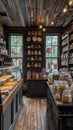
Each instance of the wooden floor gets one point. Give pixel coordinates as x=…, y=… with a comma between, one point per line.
x=32, y=115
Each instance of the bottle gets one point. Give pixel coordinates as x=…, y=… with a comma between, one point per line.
x=44, y=73
x=29, y=75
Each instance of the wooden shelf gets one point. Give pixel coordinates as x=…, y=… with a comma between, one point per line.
x=64, y=37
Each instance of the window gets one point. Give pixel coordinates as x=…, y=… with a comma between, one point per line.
x=16, y=52
x=51, y=52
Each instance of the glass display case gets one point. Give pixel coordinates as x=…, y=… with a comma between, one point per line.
x=10, y=96
x=9, y=78
x=14, y=69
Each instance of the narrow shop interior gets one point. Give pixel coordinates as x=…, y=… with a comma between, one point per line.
x=36, y=64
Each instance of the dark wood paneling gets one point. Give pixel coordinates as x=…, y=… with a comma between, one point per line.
x=22, y=13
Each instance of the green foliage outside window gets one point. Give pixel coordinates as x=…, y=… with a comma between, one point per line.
x=51, y=50
x=16, y=42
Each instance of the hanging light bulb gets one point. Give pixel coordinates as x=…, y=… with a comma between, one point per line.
x=65, y=10
x=44, y=29
x=40, y=26
x=70, y=3
x=52, y=23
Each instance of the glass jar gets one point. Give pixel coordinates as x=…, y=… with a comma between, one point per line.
x=50, y=78
x=37, y=75
x=65, y=76
x=33, y=75
x=55, y=85
x=28, y=74
x=66, y=96
x=55, y=75
x=62, y=85
x=57, y=96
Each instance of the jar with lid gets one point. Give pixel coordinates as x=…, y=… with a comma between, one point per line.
x=50, y=78
x=28, y=74
x=57, y=96
x=55, y=75
x=33, y=75
x=65, y=76
x=62, y=85
x=55, y=85
x=66, y=96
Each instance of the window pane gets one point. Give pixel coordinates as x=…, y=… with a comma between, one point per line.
x=18, y=62
x=16, y=41
x=13, y=41
x=17, y=71
x=48, y=40
x=16, y=46
x=13, y=51
x=54, y=51
x=51, y=51
x=48, y=51
x=16, y=51
x=54, y=62
x=54, y=40
x=19, y=52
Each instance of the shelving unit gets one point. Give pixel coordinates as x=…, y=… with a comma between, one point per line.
x=3, y=50
x=34, y=51
x=67, y=50
x=71, y=51
x=64, y=51
x=34, y=63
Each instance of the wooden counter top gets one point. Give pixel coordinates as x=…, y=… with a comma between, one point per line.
x=58, y=103
x=36, y=80
x=9, y=98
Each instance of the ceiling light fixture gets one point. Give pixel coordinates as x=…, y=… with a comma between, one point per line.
x=65, y=10
x=44, y=29
x=52, y=23
x=40, y=26
x=70, y=3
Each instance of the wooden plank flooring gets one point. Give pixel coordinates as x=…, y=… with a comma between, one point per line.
x=32, y=115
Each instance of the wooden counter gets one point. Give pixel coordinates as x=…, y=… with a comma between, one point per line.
x=10, y=107
x=37, y=87
x=9, y=98
x=59, y=114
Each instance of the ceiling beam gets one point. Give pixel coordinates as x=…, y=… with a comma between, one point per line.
x=20, y=12
x=39, y=11
x=27, y=7
x=68, y=19
x=5, y=10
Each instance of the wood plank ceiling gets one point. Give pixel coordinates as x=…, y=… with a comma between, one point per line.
x=26, y=13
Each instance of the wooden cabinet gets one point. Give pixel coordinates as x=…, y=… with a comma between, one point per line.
x=10, y=99
x=10, y=107
x=37, y=88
